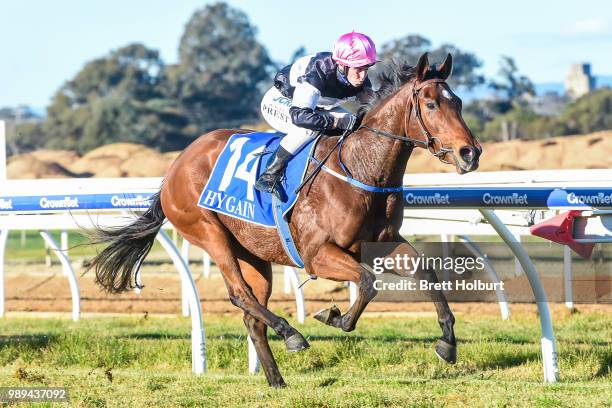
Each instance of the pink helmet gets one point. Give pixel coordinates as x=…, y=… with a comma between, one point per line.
x=354, y=50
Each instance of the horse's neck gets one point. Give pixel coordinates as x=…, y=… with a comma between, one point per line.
x=375, y=159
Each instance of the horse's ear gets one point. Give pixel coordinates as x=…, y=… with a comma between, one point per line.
x=422, y=67
x=447, y=67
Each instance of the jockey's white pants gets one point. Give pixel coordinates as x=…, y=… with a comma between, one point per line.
x=275, y=110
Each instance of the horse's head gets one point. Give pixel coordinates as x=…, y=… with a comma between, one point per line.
x=435, y=117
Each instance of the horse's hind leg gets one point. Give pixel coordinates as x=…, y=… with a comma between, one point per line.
x=224, y=250
x=258, y=275
x=332, y=262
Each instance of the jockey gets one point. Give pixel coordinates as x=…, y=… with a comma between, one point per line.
x=305, y=99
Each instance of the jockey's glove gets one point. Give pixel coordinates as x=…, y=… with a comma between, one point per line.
x=345, y=122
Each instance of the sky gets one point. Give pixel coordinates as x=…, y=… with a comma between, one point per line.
x=45, y=43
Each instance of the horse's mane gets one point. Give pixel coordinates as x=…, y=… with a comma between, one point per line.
x=387, y=77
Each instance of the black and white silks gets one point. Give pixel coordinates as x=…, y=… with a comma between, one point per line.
x=306, y=99
x=309, y=81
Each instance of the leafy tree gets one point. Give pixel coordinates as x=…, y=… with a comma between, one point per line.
x=26, y=137
x=509, y=112
x=130, y=95
x=110, y=100
x=65, y=122
x=465, y=66
x=480, y=113
x=117, y=118
x=222, y=68
x=133, y=70
x=590, y=113
x=23, y=129
x=512, y=125
x=410, y=48
x=512, y=85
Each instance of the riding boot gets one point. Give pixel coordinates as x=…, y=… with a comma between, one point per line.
x=270, y=179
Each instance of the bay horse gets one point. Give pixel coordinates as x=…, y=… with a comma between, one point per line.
x=330, y=219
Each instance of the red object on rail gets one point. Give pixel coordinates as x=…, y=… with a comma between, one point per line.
x=560, y=229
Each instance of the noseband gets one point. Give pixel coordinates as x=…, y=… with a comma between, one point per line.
x=430, y=143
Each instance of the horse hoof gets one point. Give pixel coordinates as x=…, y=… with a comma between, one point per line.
x=446, y=352
x=296, y=342
x=329, y=316
x=278, y=384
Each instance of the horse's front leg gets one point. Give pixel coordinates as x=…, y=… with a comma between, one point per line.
x=333, y=262
x=446, y=348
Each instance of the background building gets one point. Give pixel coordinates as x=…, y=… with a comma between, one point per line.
x=579, y=80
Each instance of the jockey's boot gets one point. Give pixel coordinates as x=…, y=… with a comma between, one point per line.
x=270, y=179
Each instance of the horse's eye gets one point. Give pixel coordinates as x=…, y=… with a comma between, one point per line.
x=430, y=105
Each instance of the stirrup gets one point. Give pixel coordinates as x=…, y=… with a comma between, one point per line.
x=278, y=190
x=272, y=185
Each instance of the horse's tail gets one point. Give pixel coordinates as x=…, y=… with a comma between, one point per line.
x=117, y=265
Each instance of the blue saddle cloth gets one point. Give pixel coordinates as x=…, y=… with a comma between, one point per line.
x=230, y=189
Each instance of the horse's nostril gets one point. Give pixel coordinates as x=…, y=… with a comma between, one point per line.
x=467, y=153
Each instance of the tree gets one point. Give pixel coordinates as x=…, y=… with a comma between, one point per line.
x=465, y=66
x=65, y=122
x=155, y=123
x=590, y=113
x=26, y=137
x=222, y=68
x=514, y=124
x=113, y=99
x=512, y=85
x=130, y=95
x=509, y=110
x=133, y=70
x=410, y=48
x=23, y=129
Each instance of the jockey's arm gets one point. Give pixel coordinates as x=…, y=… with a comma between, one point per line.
x=303, y=109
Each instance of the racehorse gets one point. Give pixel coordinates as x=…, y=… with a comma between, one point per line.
x=330, y=219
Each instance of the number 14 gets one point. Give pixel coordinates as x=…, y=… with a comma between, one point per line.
x=242, y=171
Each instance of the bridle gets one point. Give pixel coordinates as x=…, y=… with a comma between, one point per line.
x=430, y=143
